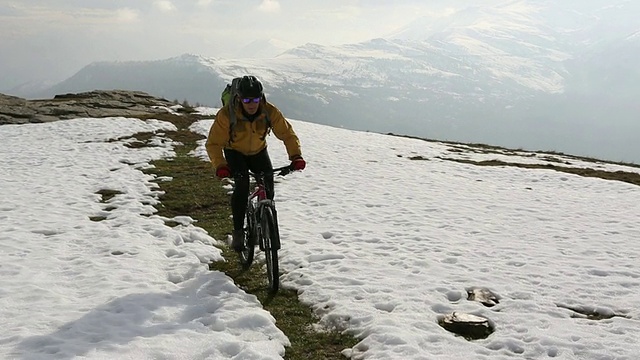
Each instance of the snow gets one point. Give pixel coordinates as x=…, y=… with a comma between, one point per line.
x=533, y=158
x=374, y=242
x=128, y=287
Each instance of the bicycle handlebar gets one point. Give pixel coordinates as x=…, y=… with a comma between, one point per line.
x=283, y=170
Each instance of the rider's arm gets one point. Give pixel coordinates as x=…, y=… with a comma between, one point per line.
x=283, y=130
x=218, y=138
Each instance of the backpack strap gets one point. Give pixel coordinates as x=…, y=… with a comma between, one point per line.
x=232, y=106
x=266, y=119
x=232, y=118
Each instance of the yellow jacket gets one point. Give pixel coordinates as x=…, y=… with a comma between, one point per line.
x=249, y=136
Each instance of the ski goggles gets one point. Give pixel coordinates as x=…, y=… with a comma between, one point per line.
x=251, y=100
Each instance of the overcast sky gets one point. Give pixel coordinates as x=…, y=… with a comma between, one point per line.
x=53, y=39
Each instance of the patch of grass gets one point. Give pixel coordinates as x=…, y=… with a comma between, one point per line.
x=628, y=177
x=171, y=223
x=196, y=192
x=460, y=147
x=108, y=194
x=456, y=147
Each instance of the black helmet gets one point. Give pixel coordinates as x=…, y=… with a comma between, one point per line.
x=250, y=87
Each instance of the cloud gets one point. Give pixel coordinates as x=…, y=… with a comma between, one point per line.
x=9, y=10
x=28, y=22
x=164, y=5
x=270, y=6
x=204, y=3
x=127, y=15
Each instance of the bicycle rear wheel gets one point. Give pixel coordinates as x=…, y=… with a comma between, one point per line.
x=251, y=236
x=271, y=243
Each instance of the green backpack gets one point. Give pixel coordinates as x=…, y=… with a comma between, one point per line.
x=230, y=91
x=229, y=98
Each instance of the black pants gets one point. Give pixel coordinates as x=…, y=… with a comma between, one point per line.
x=240, y=165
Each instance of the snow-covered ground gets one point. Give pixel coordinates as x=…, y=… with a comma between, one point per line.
x=375, y=242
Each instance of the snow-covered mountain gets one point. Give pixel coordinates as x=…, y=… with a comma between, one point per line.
x=528, y=73
x=178, y=78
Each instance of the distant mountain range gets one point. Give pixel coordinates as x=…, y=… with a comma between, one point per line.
x=529, y=74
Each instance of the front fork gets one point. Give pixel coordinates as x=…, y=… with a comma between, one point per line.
x=275, y=240
x=253, y=225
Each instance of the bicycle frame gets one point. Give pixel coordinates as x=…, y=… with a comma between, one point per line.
x=260, y=192
x=262, y=227
x=262, y=201
x=259, y=197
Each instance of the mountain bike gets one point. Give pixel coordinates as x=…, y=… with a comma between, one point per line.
x=261, y=228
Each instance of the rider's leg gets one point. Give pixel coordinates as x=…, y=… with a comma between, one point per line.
x=261, y=162
x=238, y=164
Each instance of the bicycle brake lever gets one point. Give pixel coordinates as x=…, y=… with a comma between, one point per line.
x=285, y=171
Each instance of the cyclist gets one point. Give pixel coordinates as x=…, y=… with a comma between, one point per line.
x=234, y=149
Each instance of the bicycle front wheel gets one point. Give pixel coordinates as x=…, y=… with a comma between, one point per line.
x=271, y=242
x=251, y=236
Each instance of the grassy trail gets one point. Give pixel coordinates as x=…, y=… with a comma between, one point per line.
x=195, y=191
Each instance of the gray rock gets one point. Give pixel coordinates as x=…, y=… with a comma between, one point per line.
x=95, y=104
x=471, y=327
x=483, y=295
